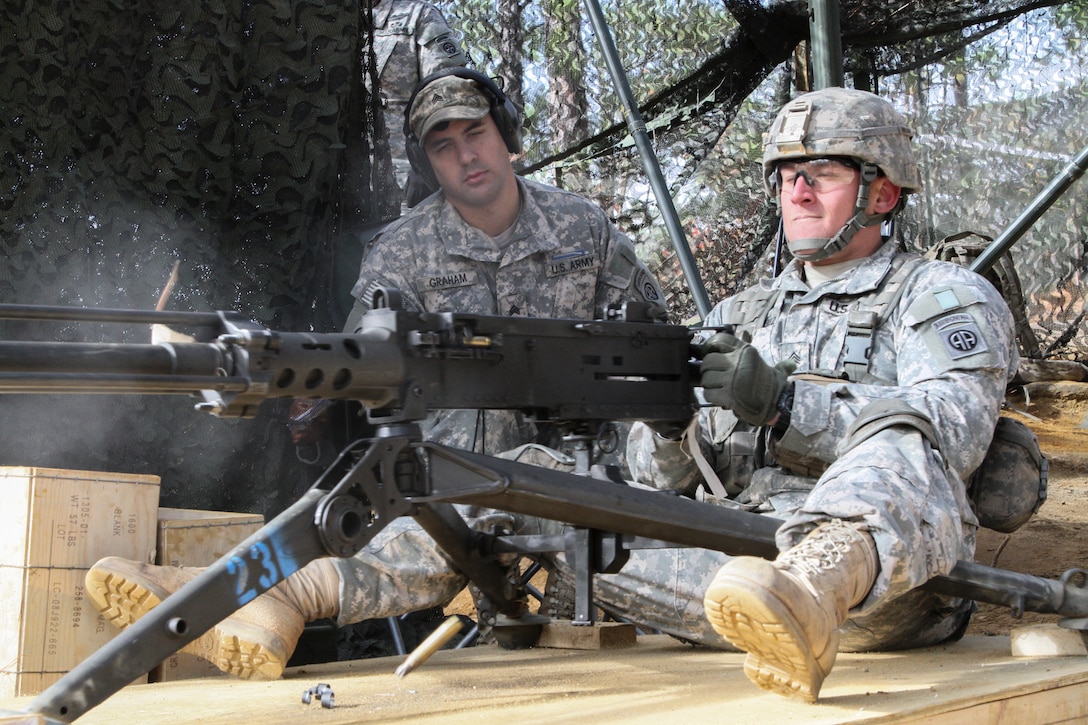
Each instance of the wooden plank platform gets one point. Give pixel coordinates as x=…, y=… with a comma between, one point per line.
x=658, y=680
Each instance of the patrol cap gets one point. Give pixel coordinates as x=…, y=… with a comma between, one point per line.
x=449, y=98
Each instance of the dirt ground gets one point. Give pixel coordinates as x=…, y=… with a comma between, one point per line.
x=1056, y=539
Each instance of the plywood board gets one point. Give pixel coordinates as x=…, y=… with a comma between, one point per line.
x=658, y=680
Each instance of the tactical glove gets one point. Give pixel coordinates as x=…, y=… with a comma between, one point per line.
x=736, y=377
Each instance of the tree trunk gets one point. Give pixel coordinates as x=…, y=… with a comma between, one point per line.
x=511, y=48
x=566, y=60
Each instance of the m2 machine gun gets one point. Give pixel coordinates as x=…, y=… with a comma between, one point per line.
x=401, y=365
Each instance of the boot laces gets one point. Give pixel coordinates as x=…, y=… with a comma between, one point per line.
x=822, y=551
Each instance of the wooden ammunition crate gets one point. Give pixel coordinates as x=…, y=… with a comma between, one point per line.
x=187, y=537
x=53, y=526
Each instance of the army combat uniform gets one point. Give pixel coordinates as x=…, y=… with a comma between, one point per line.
x=562, y=258
x=894, y=329
x=411, y=41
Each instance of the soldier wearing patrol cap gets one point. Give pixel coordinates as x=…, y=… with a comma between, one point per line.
x=491, y=242
x=858, y=390
x=487, y=242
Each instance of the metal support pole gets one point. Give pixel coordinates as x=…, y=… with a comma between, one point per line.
x=1057, y=186
x=649, y=159
x=826, y=40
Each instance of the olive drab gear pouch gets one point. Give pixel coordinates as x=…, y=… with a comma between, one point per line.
x=1009, y=485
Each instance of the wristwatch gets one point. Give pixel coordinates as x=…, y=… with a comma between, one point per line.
x=785, y=409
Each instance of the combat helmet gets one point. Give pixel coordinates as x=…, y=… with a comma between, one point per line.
x=846, y=123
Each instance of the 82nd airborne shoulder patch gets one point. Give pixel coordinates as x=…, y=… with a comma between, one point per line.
x=961, y=335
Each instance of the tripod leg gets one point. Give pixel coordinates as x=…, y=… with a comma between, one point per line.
x=321, y=523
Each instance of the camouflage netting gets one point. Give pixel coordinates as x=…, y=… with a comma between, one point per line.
x=217, y=136
x=994, y=91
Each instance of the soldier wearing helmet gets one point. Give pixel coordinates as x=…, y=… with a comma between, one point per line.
x=853, y=396
x=819, y=138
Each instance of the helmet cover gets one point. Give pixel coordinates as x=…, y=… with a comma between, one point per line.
x=842, y=122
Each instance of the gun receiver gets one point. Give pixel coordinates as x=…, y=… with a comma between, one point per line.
x=401, y=365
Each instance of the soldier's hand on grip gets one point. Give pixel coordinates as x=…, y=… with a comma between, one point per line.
x=734, y=376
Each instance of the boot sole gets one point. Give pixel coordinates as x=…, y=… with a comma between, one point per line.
x=242, y=651
x=762, y=625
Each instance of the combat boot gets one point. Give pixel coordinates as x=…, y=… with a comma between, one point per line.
x=786, y=614
x=255, y=642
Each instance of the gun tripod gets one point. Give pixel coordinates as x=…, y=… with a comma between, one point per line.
x=376, y=480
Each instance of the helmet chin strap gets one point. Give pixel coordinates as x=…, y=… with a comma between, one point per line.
x=815, y=249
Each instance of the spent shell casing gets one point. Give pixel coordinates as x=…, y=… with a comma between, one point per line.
x=429, y=646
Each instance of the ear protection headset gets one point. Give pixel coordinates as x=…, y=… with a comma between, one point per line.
x=503, y=112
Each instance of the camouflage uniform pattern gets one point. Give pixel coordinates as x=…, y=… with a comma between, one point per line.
x=565, y=259
x=947, y=349
x=411, y=41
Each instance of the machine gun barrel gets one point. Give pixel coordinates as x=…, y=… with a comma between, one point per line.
x=74, y=367
x=400, y=364
x=60, y=313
